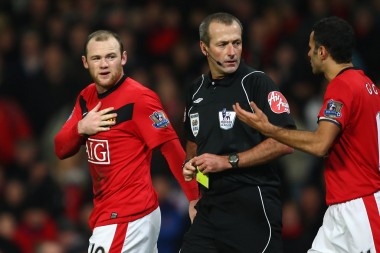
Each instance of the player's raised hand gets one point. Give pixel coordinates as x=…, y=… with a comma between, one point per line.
x=97, y=121
x=257, y=120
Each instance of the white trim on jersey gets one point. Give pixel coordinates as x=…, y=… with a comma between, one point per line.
x=203, y=79
x=242, y=85
x=266, y=217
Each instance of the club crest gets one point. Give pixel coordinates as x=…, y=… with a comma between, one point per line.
x=159, y=119
x=194, y=122
x=226, y=119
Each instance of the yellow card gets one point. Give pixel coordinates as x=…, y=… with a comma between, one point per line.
x=202, y=179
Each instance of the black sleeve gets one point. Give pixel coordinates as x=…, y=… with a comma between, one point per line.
x=271, y=101
x=189, y=92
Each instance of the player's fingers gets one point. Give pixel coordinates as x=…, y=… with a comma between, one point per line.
x=109, y=116
x=106, y=110
x=188, y=170
x=103, y=129
x=106, y=123
x=240, y=113
x=188, y=175
x=254, y=107
x=97, y=107
x=236, y=107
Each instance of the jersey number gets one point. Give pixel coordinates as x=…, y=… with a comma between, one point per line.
x=98, y=249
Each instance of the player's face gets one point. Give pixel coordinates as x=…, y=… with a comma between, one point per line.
x=225, y=47
x=315, y=62
x=104, y=62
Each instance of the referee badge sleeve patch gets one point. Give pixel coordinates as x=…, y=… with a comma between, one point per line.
x=194, y=122
x=278, y=103
x=333, y=109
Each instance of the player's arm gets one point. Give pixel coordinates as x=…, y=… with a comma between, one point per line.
x=74, y=132
x=68, y=141
x=188, y=168
x=316, y=143
x=175, y=155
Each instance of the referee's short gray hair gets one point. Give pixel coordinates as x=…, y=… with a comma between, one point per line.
x=219, y=17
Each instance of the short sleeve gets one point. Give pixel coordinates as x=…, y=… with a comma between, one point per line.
x=336, y=104
x=271, y=101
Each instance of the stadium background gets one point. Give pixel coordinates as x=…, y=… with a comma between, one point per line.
x=45, y=203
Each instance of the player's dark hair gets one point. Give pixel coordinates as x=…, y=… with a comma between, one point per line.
x=337, y=36
x=220, y=17
x=103, y=35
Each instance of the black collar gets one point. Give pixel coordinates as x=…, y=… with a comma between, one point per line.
x=343, y=70
x=226, y=80
x=105, y=94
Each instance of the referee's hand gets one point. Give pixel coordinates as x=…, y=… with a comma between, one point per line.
x=189, y=171
x=210, y=163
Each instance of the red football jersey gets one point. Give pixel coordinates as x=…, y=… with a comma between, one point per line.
x=352, y=101
x=119, y=159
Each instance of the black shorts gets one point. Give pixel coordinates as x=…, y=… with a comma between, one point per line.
x=247, y=220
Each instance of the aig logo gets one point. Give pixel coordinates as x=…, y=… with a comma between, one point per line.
x=98, y=151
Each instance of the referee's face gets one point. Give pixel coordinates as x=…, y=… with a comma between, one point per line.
x=104, y=62
x=224, y=51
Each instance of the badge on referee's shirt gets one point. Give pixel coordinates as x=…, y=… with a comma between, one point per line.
x=194, y=122
x=226, y=119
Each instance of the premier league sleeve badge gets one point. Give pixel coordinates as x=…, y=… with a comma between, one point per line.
x=333, y=109
x=159, y=119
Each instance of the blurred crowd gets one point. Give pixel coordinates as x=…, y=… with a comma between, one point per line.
x=45, y=202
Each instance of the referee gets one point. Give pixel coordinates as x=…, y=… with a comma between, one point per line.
x=240, y=208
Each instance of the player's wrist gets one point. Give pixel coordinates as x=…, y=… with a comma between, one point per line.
x=80, y=130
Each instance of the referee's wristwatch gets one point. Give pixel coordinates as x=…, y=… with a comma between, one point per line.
x=233, y=159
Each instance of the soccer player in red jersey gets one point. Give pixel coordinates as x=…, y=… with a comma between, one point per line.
x=120, y=122
x=347, y=136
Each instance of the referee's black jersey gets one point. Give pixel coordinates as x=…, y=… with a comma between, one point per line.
x=211, y=122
